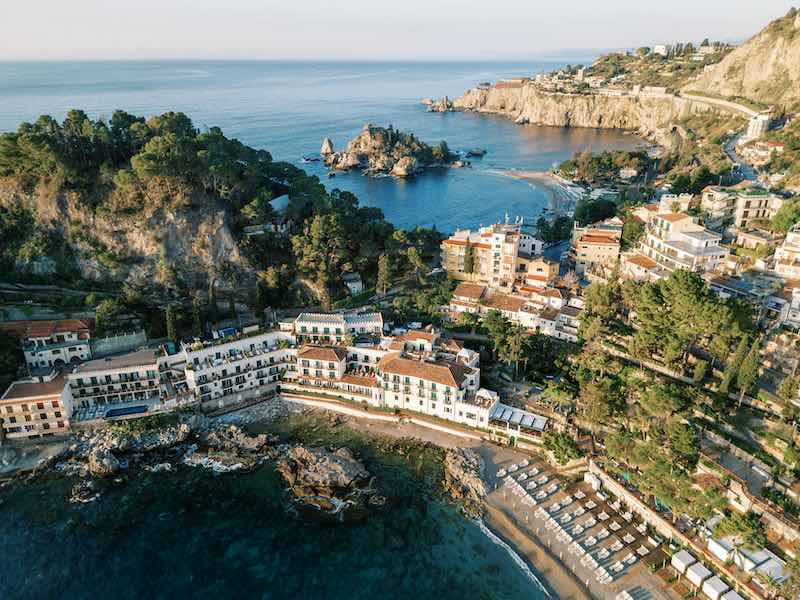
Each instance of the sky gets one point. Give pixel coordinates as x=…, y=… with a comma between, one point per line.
x=363, y=29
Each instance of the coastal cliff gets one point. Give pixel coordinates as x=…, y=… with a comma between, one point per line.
x=653, y=117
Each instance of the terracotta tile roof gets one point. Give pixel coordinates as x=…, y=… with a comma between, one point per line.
x=444, y=373
x=418, y=335
x=674, y=217
x=599, y=239
x=21, y=390
x=364, y=381
x=469, y=290
x=464, y=304
x=641, y=261
x=37, y=329
x=504, y=302
x=329, y=353
x=551, y=293
x=451, y=242
x=450, y=344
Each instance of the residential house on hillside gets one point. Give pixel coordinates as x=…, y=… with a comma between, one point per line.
x=37, y=407
x=740, y=206
x=673, y=241
x=596, y=246
x=787, y=255
x=48, y=344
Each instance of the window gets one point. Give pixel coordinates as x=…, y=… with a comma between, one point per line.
x=58, y=414
x=61, y=424
x=55, y=403
x=12, y=419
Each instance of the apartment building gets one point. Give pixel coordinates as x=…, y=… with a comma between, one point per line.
x=37, y=407
x=596, y=247
x=131, y=377
x=321, y=328
x=740, y=206
x=240, y=367
x=787, y=255
x=52, y=343
x=673, y=241
x=490, y=256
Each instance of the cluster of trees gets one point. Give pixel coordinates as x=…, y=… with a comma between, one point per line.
x=557, y=230
x=699, y=321
x=595, y=167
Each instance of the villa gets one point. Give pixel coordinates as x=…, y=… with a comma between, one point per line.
x=48, y=344
x=596, y=247
x=37, y=407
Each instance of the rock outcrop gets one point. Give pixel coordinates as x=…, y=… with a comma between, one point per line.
x=328, y=481
x=440, y=105
x=102, y=462
x=463, y=479
x=766, y=68
x=327, y=147
x=387, y=150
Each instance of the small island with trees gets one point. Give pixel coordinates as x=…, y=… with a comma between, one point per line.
x=379, y=150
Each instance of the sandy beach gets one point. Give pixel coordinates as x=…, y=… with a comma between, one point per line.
x=561, y=201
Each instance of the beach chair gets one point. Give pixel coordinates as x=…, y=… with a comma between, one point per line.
x=590, y=541
x=522, y=477
x=501, y=473
x=603, y=516
x=617, y=567
x=590, y=522
x=615, y=506
x=579, y=512
x=542, y=480
x=601, y=496
x=534, y=472
x=602, y=534
x=628, y=538
x=603, y=554
x=552, y=489
x=554, y=508
x=616, y=546
x=513, y=469
x=631, y=558
x=524, y=463
x=577, y=530
x=590, y=505
x=642, y=528
x=642, y=551
x=531, y=485
x=614, y=526
x=566, y=519
x=580, y=495
x=541, y=495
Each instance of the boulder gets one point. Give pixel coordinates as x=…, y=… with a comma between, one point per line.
x=327, y=147
x=102, y=462
x=319, y=469
x=405, y=167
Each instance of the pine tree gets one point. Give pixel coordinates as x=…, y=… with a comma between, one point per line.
x=197, y=317
x=748, y=371
x=384, y=274
x=733, y=366
x=172, y=333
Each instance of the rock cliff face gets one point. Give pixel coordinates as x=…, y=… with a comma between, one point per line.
x=387, y=150
x=184, y=237
x=766, y=68
x=652, y=117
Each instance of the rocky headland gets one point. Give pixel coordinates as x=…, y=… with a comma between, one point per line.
x=379, y=150
x=652, y=117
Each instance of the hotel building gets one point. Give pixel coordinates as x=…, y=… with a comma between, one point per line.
x=787, y=255
x=131, y=377
x=673, y=241
x=48, y=344
x=490, y=256
x=321, y=328
x=36, y=407
x=739, y=206
x=595, y=248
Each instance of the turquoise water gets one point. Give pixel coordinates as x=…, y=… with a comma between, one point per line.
x=288, y=108
x=191, y=534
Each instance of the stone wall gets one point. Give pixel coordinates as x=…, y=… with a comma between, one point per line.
x=124, y=342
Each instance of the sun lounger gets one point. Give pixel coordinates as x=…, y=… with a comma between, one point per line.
x=603, y=516
x=642, y=528
x=617, y=567
x=628, y=538
x=590, y=522
x=566, y=519
x=630, y=559
x=603, y=554
x=501, y=473
x=513, y=469
x=577, y=530
x=552, y=489
x=524, y=463
x=542, y=480
x=590, y=541
x=579, y=512
x=531, y=485
x=628, y=516
x=602, y=534
x=616, y=546
x=522, y=477
x=614, y=526
x=541, y=495
x=554, y=508
x=533, y=472
x=590, y=505
x=580, y=495
x=602, y=496
x=615, y=506
x=642, y=551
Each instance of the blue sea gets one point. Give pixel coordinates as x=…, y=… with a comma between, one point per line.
x=289, y=107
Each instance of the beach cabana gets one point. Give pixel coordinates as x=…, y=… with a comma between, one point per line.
x=697, y=574
x=714, y=588
x=682, y=560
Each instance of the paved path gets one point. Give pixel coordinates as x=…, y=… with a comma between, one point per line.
x=724, y=104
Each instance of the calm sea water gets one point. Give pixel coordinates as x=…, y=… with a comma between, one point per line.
x=192, y=534
x=288, y=108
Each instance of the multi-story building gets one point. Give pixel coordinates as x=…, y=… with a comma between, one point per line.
x=787, y=255
x=596, y=246
x=738, y=205
x=674, y=241
x=40, y=406
x=240, y=367
x=490, y=256
x=48, y=344
x=131, y=377
x=321, y=328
